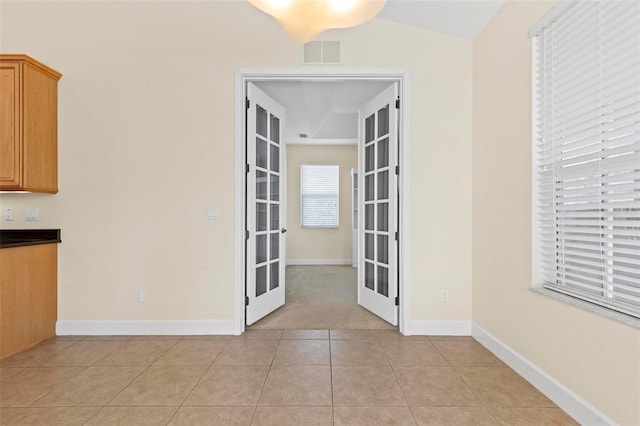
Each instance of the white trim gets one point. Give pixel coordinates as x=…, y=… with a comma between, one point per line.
x=536, y=273
x=320, y=74
x=143, y=327
x=242, y=75
x=438, y=328
x=307, y=141
x=552, y=15
x=239, y=301
x=318, y=262
x=588, y=306
x=565, y=398
x=404, y=180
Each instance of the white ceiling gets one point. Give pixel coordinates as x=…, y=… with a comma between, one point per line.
x=326, y=112
x=458, y=18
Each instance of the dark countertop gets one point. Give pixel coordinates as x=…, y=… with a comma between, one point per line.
x=28, y=237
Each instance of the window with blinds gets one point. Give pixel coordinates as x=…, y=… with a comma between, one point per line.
x=586, y=153
x=319, y=196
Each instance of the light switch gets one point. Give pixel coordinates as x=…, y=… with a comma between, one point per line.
x=212, y=214
x=32, y=213
x=8, y=213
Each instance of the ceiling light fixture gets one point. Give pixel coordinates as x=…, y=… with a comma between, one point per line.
x=306, y=19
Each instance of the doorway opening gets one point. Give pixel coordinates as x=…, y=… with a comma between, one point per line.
x=382, y=139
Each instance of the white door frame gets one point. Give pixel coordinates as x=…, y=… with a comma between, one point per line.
x=244, y=75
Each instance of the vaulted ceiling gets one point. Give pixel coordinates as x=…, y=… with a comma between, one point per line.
x=327, y=112
x=458, y=18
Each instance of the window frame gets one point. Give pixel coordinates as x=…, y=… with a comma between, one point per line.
x=537, y=278
x=331, y=225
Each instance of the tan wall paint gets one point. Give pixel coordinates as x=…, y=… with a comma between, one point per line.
x=597, y=358
x=146, y=139
x=310, y=243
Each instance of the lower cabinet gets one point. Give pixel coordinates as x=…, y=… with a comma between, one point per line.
x=28, y=296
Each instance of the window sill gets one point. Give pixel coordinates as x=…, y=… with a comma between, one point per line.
x=608, y=313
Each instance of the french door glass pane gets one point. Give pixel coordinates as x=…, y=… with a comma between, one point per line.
x=383, y=281
x=369, y=128
x=261, y=248
x=275, y=187
x=261, y=153
x=261, y=121
x=275, y=275
x=275, y=129
x=383, y=217
x=261, y=217
x=275, y=245
x=383, y=185
x=369, y=278
x=369, y=241
x=383, y=121
x=275, y=158
x=369, y=186
x=275, y=217
x=261, y=185
x=383, y=153
x=261, y=280
x=383, y=249
x=368, y=216
x=369, y=162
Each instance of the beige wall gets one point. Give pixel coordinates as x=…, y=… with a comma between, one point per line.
x=595, y=357
x=319, y=244
x=146, y=139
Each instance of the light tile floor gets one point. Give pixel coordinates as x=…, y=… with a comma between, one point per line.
x=268, y=377
x=321, y=296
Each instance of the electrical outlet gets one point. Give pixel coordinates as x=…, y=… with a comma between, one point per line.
x=139, y=295
x=8, y=213
x=444, y=296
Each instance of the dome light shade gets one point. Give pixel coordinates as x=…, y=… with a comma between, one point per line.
x=306, y=19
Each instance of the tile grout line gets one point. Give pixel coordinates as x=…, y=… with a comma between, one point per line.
x=397, y=380
x=75, y=341
x=383, y=343
x=264, y=383
x=70, y=378
x=179, y=407
x=333, y=404
x=468, y=385
x=145, y=369
x=64, y=366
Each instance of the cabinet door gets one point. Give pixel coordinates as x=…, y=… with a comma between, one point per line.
x=40, y=130
x=10, y=153
x=28, y=296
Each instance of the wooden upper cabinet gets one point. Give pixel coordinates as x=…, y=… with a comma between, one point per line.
x=28, y=125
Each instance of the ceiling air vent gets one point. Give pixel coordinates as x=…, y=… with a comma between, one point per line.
x=321, y=52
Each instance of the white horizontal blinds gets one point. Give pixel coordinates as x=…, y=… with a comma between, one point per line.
x=587, y=170
x=319, y=196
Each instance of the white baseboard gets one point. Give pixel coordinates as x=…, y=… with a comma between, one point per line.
x=157, y=327
x=439, y=328
x=319, y=262
x=583, y=412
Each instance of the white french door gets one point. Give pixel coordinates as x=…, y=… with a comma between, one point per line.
x=378, y=183
x=265, y=278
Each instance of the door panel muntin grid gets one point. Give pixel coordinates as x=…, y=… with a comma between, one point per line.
x=267, y=201
x=377, y=177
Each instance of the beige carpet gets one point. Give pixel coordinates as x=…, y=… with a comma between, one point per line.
x=321, y=297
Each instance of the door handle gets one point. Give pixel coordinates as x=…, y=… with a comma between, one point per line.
x=283, y=230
